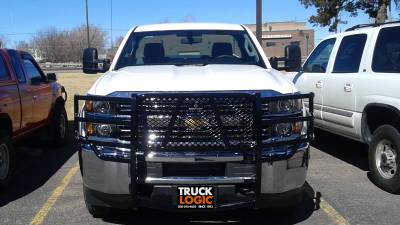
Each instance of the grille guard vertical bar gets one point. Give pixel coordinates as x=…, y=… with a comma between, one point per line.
x=257, y=128
x=134, y=148
x=311, y=112
x=76, y=114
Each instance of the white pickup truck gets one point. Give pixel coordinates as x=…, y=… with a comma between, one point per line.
x=191, y=117
x=355, y=76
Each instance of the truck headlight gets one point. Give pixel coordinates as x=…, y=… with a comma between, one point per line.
x=286, y=106
x=283, y=129
x=100, y=130
x=288, y=129
x=102, y=107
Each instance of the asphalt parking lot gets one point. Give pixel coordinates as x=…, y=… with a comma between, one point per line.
x=47, y=189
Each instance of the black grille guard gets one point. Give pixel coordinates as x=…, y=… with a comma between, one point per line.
x=260, y=151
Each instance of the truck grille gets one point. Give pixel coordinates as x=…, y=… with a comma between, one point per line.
x=187, y=122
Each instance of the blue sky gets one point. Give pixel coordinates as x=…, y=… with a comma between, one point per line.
x=20, y=19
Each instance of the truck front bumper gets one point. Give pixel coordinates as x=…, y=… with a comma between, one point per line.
x=108, y=183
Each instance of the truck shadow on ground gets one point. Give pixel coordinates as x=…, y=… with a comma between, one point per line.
x=243, y=216
x=36, y=163
x=342, y=148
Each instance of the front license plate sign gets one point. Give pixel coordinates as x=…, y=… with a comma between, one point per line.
x=200, y=197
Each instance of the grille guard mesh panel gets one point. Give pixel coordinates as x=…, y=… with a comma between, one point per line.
x=196, y=122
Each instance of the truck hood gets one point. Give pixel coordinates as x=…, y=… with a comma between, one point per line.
x=191, y=78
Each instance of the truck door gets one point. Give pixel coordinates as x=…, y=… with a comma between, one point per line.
x=25, y=96
x=9, y=98
x=341, y=83
x=311, y=79
x=39, y=88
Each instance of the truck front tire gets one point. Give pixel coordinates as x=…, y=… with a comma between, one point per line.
x=59, y=126
x=384, y=161
x=7, y=158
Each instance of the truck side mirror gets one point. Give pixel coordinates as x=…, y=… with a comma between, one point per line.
x=274, y=62
x=292, y=58
x=291, y=62
x=51, y=77
x=90, y=61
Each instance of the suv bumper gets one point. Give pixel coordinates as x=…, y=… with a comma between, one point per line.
x=107, y=183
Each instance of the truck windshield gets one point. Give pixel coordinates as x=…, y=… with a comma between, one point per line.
x=188, y=47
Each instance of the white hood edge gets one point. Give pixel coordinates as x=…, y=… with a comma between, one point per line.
x=191, y=78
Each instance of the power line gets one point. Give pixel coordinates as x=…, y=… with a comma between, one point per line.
x=61, y=31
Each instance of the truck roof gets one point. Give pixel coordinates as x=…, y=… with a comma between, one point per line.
x=188, y=26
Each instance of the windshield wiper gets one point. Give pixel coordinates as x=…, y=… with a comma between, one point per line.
x=191, y=64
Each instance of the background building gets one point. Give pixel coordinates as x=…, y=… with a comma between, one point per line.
x=276, y=35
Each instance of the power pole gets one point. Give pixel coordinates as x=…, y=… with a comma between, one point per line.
x=111, y=32
x=87, y=24
x=337, y=18
x=259, y=21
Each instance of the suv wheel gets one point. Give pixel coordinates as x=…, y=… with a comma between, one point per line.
x=384, y=158
x=59, y=126
x=7, y=158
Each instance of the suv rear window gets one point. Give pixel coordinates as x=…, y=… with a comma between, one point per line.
x=387, y=51
x=349, y=55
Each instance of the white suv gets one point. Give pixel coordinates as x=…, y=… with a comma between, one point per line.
x=355, y=76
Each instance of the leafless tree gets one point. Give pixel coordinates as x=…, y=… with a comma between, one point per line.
x=24, y=46
x=3, y=41
x=51, y=43
x=77, y=41
x=113, y=50
x=67, y=46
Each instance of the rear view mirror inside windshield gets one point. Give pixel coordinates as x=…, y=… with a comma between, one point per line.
x=191, y=40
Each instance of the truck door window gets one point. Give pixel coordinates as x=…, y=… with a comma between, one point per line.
x=318, y=60
x=3, y=71
x=387, y=51
x=349, y=54
x=15, y=61
x=33, y=73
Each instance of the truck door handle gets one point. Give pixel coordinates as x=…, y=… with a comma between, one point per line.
x=319, y=84
x=348, y=87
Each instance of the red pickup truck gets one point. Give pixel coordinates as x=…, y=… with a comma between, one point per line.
x=30, y=101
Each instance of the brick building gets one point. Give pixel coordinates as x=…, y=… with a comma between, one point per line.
x=276, y=35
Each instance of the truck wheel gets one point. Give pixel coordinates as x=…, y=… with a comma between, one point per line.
x=7, y=158
x=59, y=126
x=96, y=211
x=384, y=161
